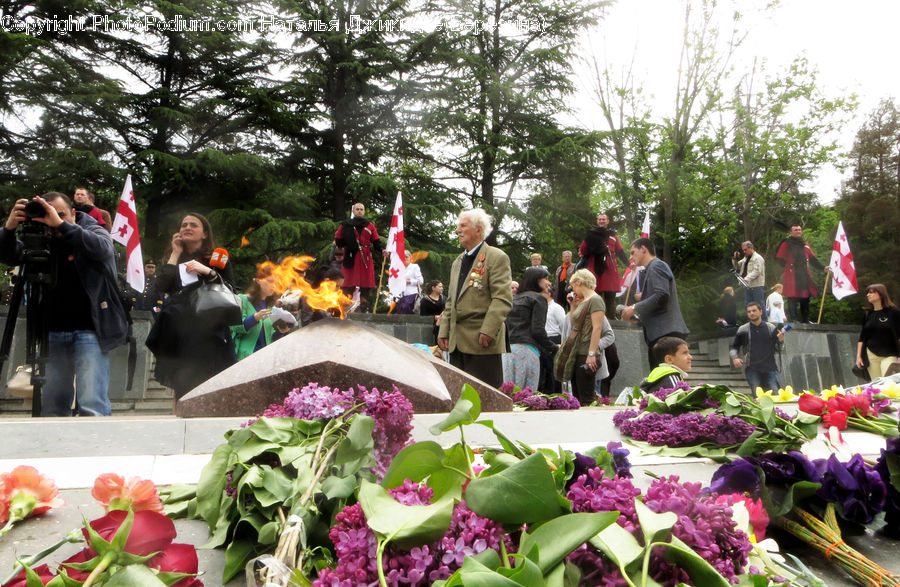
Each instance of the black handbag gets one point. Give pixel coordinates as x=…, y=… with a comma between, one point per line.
x=215, y=303
x=862, y=372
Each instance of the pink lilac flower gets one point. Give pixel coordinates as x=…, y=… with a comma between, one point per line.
x=684, y=429
x=355, y=546
x=535, y=402
x=564, y=401
x=522, y=395
x=508, y=387
x=704, y=525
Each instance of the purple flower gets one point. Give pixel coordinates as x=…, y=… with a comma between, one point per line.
x=686, y=429
x=564, y=401
x=535, y=402
x=521, y=396
x=858, y=490
x=738, y=476
x=620, y=458
x=786, y=469
x=892, y=500
x=508, y=387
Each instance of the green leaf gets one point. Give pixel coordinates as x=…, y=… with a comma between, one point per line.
x=415, y=462
x=237, y=554
x=32, y=579
x=498, y=461
x=338, y=487
x=211, y=486
x=655, y=527
x=358, y=443
x=506, y=443
x=406, y=525
x=522, y=494
x=255, y=447
x=473, y=573
x=465, y=411
x=269, y=533
x=558, y=537
x=526, y=572
x=767, y=411
x=700, y=571
x=450, y=479
x=134, y=576
x=619, y=545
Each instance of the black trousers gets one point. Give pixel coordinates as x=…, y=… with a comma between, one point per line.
x=488, y=368
x=798, y=309
x=583, y=381
x=549, y=384
x=612, y=363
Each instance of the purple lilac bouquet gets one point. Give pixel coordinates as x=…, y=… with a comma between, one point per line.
x=355, y=545
x=688, y=429
x=534, y=400
x=391, y=411
x=704, y=525
x=890, y=454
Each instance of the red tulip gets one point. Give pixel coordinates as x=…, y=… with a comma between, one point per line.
x=115, y=493
x=151, y=532
x=811, y=404
x=838, y=419
x=840, y=403
x=19, y=580
x=862, y=404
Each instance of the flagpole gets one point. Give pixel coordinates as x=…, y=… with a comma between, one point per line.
x=824, y=291
x=380, y=281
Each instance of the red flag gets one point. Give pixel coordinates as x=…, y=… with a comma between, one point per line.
x=396, y=246
x=125, y=232
x=843, y=270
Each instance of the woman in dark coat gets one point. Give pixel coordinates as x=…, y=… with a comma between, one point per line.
x=432, y=304
x=187, y=351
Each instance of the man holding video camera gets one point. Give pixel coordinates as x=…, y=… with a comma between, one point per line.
x=81, y=305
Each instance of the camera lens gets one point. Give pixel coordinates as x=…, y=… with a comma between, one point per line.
x=34, y=210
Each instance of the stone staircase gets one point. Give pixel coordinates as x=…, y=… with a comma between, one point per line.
x=157, y=401
x=705, y=368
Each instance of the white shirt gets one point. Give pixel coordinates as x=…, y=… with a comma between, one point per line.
x=414, y=279
x=775, y=307
x=556, y=319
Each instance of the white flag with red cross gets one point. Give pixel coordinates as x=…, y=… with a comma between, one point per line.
x=397, y=248
x=645, y=228
x=125, y=231
x=843, y=270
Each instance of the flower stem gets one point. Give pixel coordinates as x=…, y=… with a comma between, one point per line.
x=100, y=568
x=379, y=556
x=73, y=536
x=503, y=556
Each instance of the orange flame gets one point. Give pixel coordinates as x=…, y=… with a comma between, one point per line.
x=289, y=276
x=418, y=256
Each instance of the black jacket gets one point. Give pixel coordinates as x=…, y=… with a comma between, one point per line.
x=526, y=322
x=96, y=265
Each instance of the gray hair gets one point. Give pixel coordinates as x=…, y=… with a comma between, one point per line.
x=480, y=220
x=747, y=244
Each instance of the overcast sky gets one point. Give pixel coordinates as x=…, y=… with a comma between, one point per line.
x=851, y=43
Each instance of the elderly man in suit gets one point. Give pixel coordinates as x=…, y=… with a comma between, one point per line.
x=473, y=329
x=657, y=309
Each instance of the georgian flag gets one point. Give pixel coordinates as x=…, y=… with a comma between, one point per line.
x=397, y=248
x=645, y=229
x=843, y=270
x=125, y=231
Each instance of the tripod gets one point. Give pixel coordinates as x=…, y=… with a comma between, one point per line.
x=38, y=273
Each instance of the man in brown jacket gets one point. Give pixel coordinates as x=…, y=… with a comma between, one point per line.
x=479, y=298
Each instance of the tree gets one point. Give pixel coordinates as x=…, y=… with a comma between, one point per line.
x=869, y=205
x=503, y=74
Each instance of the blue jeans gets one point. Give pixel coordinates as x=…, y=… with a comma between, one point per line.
x=76, y=368
x=756, y=294
x=768, y=380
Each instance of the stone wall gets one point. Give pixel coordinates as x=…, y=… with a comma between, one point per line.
x=814, y=357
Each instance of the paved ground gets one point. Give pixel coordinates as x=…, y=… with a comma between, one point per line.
x=168, y=450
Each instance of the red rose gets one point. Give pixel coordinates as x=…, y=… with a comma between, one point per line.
x=19, y=580
x=151, y=532
x=176, y=558
x=811, y=404
x=82, y=557
x=837, y=418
